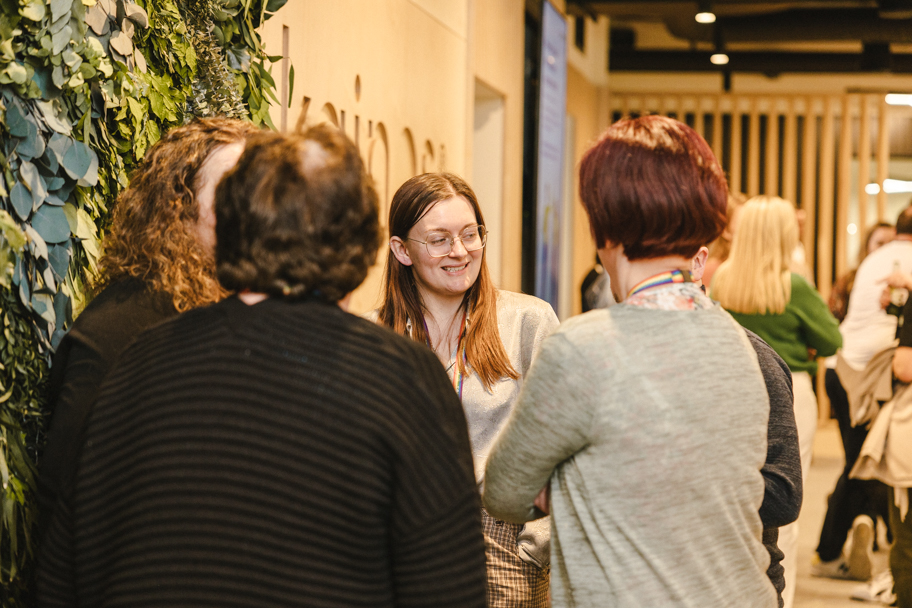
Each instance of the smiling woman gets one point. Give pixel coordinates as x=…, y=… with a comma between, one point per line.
x=439, y=293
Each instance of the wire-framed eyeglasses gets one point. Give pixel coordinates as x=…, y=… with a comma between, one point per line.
x=440, y=244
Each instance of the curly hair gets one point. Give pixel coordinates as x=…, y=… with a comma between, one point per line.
x=153, y=235
x=297, y=216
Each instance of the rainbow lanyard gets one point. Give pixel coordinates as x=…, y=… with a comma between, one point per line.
x=458, y=374
x=666, y=278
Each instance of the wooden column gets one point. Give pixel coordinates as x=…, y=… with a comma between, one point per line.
x=717, y=129
x=883, y=157
x=826, y=204
x=864, y=166
x=809, y=180
x=771, y=185
x=753, y=150
x=699, y=127
x=790, y=154
x=843, y=185
x=735, y=179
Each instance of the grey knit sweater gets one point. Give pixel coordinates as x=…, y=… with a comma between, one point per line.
x=654, y=426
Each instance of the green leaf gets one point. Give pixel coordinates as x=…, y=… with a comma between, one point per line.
x=39, y=245
x=34, y=182
x=21, y=199
x=51, y=223
x=61, y=39
x=78, y=161
x=34, y=10
x=290, y=84
x=16, y=122
x=44, y=306
x=85, y=227
x=60, y=8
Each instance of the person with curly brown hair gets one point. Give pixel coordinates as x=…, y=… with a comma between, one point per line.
x=273, y=449
x=158, y=261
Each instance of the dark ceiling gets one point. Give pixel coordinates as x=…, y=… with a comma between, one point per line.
x=767, y=37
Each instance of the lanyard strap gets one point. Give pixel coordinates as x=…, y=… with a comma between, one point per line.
x=665, y=278
x=458, y=374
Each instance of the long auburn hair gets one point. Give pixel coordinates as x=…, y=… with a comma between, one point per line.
x=485, y=352
x=756, y=277
x=153, y=234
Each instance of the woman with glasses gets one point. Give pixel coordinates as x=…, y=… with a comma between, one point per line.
x=438, y=292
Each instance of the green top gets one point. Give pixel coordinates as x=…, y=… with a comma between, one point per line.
x=806, y=323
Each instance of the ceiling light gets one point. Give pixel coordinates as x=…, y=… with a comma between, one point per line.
x=890, y=186
x=719, y=59
x=898, y=99
x=705, y=17
x=852, y=229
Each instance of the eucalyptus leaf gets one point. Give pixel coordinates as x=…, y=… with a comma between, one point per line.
x=34, y=182
x=42, y=78
x=137, y=15
x=59, y=259
x=56, y=182
x=32, y=146
x=16, y=122
x=69, y=210
x=61, y=39
x=122, y=43
x=38, y=244
x=51, y=119
x=78, y=159
x=51, y=223
x=21, y=200
x=34, y=10
x=97, y=19
x=43, y=304
x=60, y=8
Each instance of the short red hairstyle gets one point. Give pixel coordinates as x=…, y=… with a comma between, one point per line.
x=653, y=185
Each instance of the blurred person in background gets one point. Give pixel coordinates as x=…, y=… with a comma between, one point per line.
x=720, y=249
x=757, y=287
x=854, y=504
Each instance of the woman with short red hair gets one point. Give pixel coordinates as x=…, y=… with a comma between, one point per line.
x=647, y=421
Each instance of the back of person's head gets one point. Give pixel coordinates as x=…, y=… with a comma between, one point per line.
x=154, y=235
x=756, y=277
x=904, y=221
x=877, y=235
x=653, y=185
x=298, y=216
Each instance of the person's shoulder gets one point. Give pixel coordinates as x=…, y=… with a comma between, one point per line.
x=768, y=359
x=801, y=284
x=512, y=304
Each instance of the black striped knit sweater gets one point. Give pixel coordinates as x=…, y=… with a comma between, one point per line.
x=282, y=454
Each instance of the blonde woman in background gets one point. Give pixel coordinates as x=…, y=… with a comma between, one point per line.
x=720, y=249
x=757, y=286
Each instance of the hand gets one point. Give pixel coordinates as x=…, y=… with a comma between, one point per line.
x=898, y=279
x=885, y=298
x=543, y=500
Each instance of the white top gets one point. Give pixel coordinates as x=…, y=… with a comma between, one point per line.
x=867, y=328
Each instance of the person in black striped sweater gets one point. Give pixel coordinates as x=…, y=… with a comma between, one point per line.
x=273, y=449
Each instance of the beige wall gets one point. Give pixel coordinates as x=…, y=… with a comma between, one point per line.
x=410, y=57
x=418, y=62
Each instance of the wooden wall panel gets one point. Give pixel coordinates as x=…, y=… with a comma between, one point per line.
x=790, y=155
x=844, y=168
x=864, y=164
x=883, y=157
x=826, y=199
